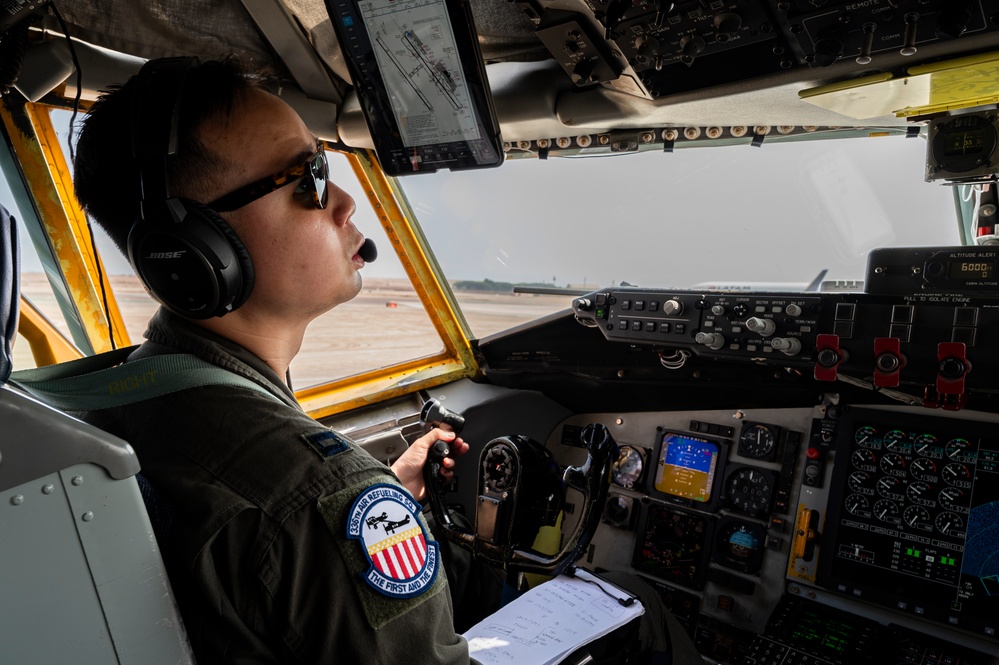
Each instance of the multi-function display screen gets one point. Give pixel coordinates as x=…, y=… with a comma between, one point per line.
x=687, y=467
x=421, y=82
x=915, y=523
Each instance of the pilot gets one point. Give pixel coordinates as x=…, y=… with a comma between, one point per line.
x=261, y=549
x=285, y=541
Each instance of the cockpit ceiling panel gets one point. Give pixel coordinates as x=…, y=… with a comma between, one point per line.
x=160, y=28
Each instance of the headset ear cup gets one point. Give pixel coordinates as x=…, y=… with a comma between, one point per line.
x=243, y=260
x=190, y=259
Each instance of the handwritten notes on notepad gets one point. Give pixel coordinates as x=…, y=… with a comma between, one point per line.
x=550, y=621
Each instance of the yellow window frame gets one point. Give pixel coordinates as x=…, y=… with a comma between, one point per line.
x=46, y=171
x=46, y=174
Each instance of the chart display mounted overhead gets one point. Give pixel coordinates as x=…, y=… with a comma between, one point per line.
x=420, y=80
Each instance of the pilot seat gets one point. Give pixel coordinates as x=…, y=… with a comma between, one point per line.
x=81, y=576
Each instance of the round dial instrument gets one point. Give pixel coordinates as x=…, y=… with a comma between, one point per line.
x=920, y=493
x=864, y=460
x=954, y=499
x=865, y=436
x=749, y=491
x=924, y=469
x=893, y=464
x=628, y=467
x=758, y=441
x=896, y=441
x=861, y=482
x=959, y=450
x=957, y=475
x=858, y=504
x=886, y=511
x=740, y=545
x=926, y=445
x=950, y=524
x=963, y=144
x=917, y=517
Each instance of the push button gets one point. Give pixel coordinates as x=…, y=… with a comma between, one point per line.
x=965, y=316
x=845, y=311
x=901, y=314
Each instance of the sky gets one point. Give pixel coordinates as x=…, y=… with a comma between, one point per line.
x=778, y=213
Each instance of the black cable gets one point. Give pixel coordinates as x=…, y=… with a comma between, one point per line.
x=623, y=602
x=13, y=44
x=72, y=160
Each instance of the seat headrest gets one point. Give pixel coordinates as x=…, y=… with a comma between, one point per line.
x=10, y=290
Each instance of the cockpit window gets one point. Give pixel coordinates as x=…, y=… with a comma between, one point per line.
x=385, y=324
x=772, y=217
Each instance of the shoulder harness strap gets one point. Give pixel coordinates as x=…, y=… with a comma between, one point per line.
x=105, y=381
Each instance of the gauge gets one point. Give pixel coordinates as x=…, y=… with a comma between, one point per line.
x=858, y=504
x=917, y=517
x=674, y=545
x=953, y=498
x=864, y=460
x=866, y=436
x=925, y=469
x=920, y=493
x=957, y=475
x=628, y=467
x=927, y=446
x=895, y=440
x=860, y=481
x=740, y=545
x=959, y=450
x=893, y=464
x=758, y=441
x=891, y=487
x=618, y=511
x=886, y=511
x=498, y=468
x=950, y=524
x=963, y=144
x=749, y=491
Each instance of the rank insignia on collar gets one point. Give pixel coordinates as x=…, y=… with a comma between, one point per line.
x=404, y=561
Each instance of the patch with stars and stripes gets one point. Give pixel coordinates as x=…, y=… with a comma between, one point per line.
x=403, y=560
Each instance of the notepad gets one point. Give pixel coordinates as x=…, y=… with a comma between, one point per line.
x=550, y=621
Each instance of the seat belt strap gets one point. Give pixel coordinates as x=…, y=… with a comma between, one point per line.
x=105, y=381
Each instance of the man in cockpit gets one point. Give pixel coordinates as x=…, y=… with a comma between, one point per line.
x=258, y=550
x=265, y=547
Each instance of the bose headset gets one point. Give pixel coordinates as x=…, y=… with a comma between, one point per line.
x=186, y=255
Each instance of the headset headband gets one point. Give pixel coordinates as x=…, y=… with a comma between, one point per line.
x=155, y=116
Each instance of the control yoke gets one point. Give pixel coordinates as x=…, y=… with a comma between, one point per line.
x=521, y=488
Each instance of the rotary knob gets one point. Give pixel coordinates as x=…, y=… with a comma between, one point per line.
x=672, y=307
x=726, y=25
x=789, y=346
x=691, y=45
x=585, y=72
x=762, y=327
x=713, y=341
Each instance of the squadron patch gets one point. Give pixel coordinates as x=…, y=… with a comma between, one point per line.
x=403, y=560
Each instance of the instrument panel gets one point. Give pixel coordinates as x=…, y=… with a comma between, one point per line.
x=912, y=518
x=758, y=526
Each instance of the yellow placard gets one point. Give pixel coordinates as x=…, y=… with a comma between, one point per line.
x=930, y=88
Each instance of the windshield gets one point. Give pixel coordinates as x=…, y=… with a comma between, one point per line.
x=729, y=216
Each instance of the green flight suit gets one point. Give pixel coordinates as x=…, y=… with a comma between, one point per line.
x=257, y=546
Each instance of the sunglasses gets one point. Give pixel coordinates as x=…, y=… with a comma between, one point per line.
x=311, y=177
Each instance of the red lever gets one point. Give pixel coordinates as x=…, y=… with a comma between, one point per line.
x=888, y=362
x=952, y=368
x=828, y=357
